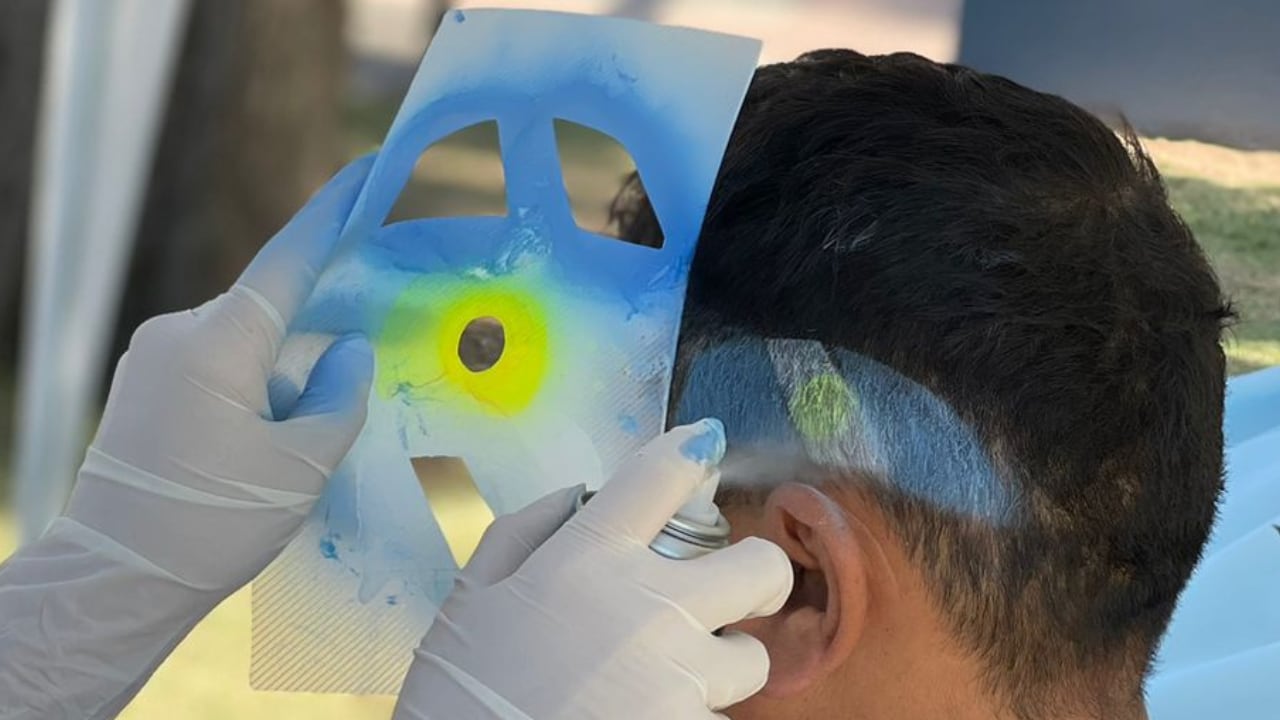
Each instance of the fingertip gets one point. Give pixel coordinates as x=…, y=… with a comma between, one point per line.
x=340, y=380
x=358, y=353
x=352, y=355
x=760, y=661
x=571, y=496
x=357, y=170
x=554, y=508
x=705, y=442
x=777, y=566
x=328, y=209
x=743, y=669
x=651, y=486
x=754, y=652
x=355, y=354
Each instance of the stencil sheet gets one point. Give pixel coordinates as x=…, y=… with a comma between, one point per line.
x=587, y=324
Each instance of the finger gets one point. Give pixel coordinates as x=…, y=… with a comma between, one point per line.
x=751, y=578
x=282, y=395
x=281, y=277
x=734, y=666
x=650, y=487
x=511, y=539
x=329, y=415
x=339, y=381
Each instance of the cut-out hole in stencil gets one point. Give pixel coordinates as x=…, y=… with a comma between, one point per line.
x=595, y=167
x=455, y=501
x=458, y=176
x=481, y=344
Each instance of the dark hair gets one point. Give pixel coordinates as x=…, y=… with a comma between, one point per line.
x=1006, y=250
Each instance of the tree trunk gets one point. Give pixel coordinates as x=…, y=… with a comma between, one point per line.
x=253, y=128
x=22, y=24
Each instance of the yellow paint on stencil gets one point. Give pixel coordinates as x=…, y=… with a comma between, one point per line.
x=418, y=345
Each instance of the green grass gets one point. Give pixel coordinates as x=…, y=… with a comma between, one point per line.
x=1230, y=199
x=1239, y=228
x=1237, y=220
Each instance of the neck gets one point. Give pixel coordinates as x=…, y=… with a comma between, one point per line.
x=947, y=687
x=908, y=664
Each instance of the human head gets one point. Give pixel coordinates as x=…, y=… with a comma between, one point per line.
x=1006, y=262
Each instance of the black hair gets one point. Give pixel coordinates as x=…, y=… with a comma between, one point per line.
x=1009, y=252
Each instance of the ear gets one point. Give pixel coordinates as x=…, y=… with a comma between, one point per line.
x=817, y=629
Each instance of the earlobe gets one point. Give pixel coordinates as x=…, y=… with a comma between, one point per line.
x=818, y=628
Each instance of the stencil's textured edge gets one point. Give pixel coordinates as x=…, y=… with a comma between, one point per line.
x=289, y=655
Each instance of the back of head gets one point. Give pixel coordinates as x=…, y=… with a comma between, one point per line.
x=1009, y=253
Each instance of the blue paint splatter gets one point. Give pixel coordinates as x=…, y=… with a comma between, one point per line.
x=707, y=447
x=459, y=16
x=629, y=425
x=327, y=549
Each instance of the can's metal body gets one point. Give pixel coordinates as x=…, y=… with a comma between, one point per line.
x=684, y=539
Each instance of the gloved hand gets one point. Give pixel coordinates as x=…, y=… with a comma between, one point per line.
x=189, y=489
x=188, y=470
x=592, y=623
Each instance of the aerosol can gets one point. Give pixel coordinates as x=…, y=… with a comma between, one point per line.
x=697, y=527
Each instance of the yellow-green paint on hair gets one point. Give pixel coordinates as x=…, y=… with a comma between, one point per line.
x=822, y=407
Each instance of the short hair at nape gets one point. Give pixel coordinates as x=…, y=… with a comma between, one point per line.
x=1007, y=251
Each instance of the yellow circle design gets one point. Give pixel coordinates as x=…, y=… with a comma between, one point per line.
x=418, y=346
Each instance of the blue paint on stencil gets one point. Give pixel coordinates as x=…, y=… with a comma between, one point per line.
x=629, y=425
x=328, y=549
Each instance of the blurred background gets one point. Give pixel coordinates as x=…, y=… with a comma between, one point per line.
x=267, y=98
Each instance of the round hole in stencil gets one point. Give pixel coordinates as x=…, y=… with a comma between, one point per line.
x=481, y=344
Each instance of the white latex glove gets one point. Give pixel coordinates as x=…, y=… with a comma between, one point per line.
x=594, y=624
x=189, y=489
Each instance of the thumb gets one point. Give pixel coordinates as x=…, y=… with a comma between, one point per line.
x=339, y=382
x=330, y=412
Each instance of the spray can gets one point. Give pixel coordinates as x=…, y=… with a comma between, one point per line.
x=696, y=529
